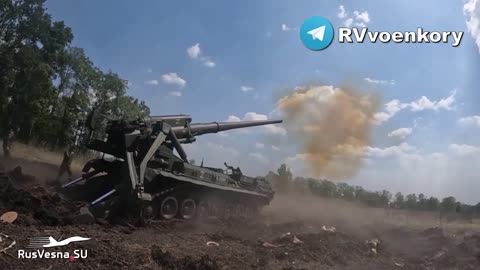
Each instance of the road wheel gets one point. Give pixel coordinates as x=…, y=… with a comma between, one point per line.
x=188, y=209
x=202, y=209
x=168, y=208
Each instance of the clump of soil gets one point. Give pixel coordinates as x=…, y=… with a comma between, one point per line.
x=167, y=261
x=34, y=204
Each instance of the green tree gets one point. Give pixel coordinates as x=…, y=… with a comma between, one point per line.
x=29, y=45
x=448, y=205
x=432, y=204
x=346, y=191
x=47, y=87
x=328, y=189
x=300, y=185
x=399, y=200
x=477, y=209
x=422, y=201
x=385, y=198
x=76, y=79
x=284, y=177
x=411, y=201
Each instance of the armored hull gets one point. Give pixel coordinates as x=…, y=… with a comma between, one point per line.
x=144, y=177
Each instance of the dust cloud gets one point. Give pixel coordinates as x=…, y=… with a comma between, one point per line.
x=331, y=127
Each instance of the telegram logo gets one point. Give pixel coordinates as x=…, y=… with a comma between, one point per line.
x=316, y=33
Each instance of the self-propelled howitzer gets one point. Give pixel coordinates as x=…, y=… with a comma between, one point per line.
x=143, y=176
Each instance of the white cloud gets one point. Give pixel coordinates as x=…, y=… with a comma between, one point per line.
x=221, y=149
x=175, y=93
x=361, y=16
x=253, y=116
x=245, y=88
x=129, y=84
x=424, y=103
x=286, y=28
x=232, y=118
x=259, y=145
x=259, y=158
x=173, y=78
x=463, y=149
x=471, y=9
x=275, y=130
x=194, y=51
x=370, y=80
x=275, y=148
x=396, y=150
x=401, y=133
x=341, y=12
x=360, y=24
x=391, y=108
x=149, y=70
x=209, y=63
x=348, y=22
x=473, y=120
x=151, y=82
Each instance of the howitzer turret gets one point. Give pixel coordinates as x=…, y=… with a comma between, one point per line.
x=147, y=170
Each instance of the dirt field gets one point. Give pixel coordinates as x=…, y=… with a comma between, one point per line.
x=292, y=233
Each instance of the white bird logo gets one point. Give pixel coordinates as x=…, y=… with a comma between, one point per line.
x=317, y=33
x=43, y=242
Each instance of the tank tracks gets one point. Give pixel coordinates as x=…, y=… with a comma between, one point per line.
x=181, y=201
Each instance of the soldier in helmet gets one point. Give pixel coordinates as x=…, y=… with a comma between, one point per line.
x=67, y=162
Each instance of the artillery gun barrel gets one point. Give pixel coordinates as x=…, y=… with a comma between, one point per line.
x=214, y=127
x=169, y=117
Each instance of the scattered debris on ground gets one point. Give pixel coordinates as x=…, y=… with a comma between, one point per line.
x=213, y=244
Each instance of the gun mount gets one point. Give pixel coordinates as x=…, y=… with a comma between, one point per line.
x=146, y=173
x=177, y=129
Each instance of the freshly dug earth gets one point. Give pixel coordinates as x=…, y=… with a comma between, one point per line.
x=35, y=204
x=232, y=244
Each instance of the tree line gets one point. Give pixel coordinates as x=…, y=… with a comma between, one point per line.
x=47, y=85
x=283, y=181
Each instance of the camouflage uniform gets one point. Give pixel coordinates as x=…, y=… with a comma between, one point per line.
x=66, y=163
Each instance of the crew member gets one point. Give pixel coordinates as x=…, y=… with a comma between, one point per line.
x=7, y=142
x=66, y=163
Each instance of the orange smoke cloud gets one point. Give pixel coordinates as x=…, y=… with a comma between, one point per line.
x=331, y=126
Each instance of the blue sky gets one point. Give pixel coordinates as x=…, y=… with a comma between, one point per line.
x=249, y=54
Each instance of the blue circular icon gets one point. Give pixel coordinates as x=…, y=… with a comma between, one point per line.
x=316, y=33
